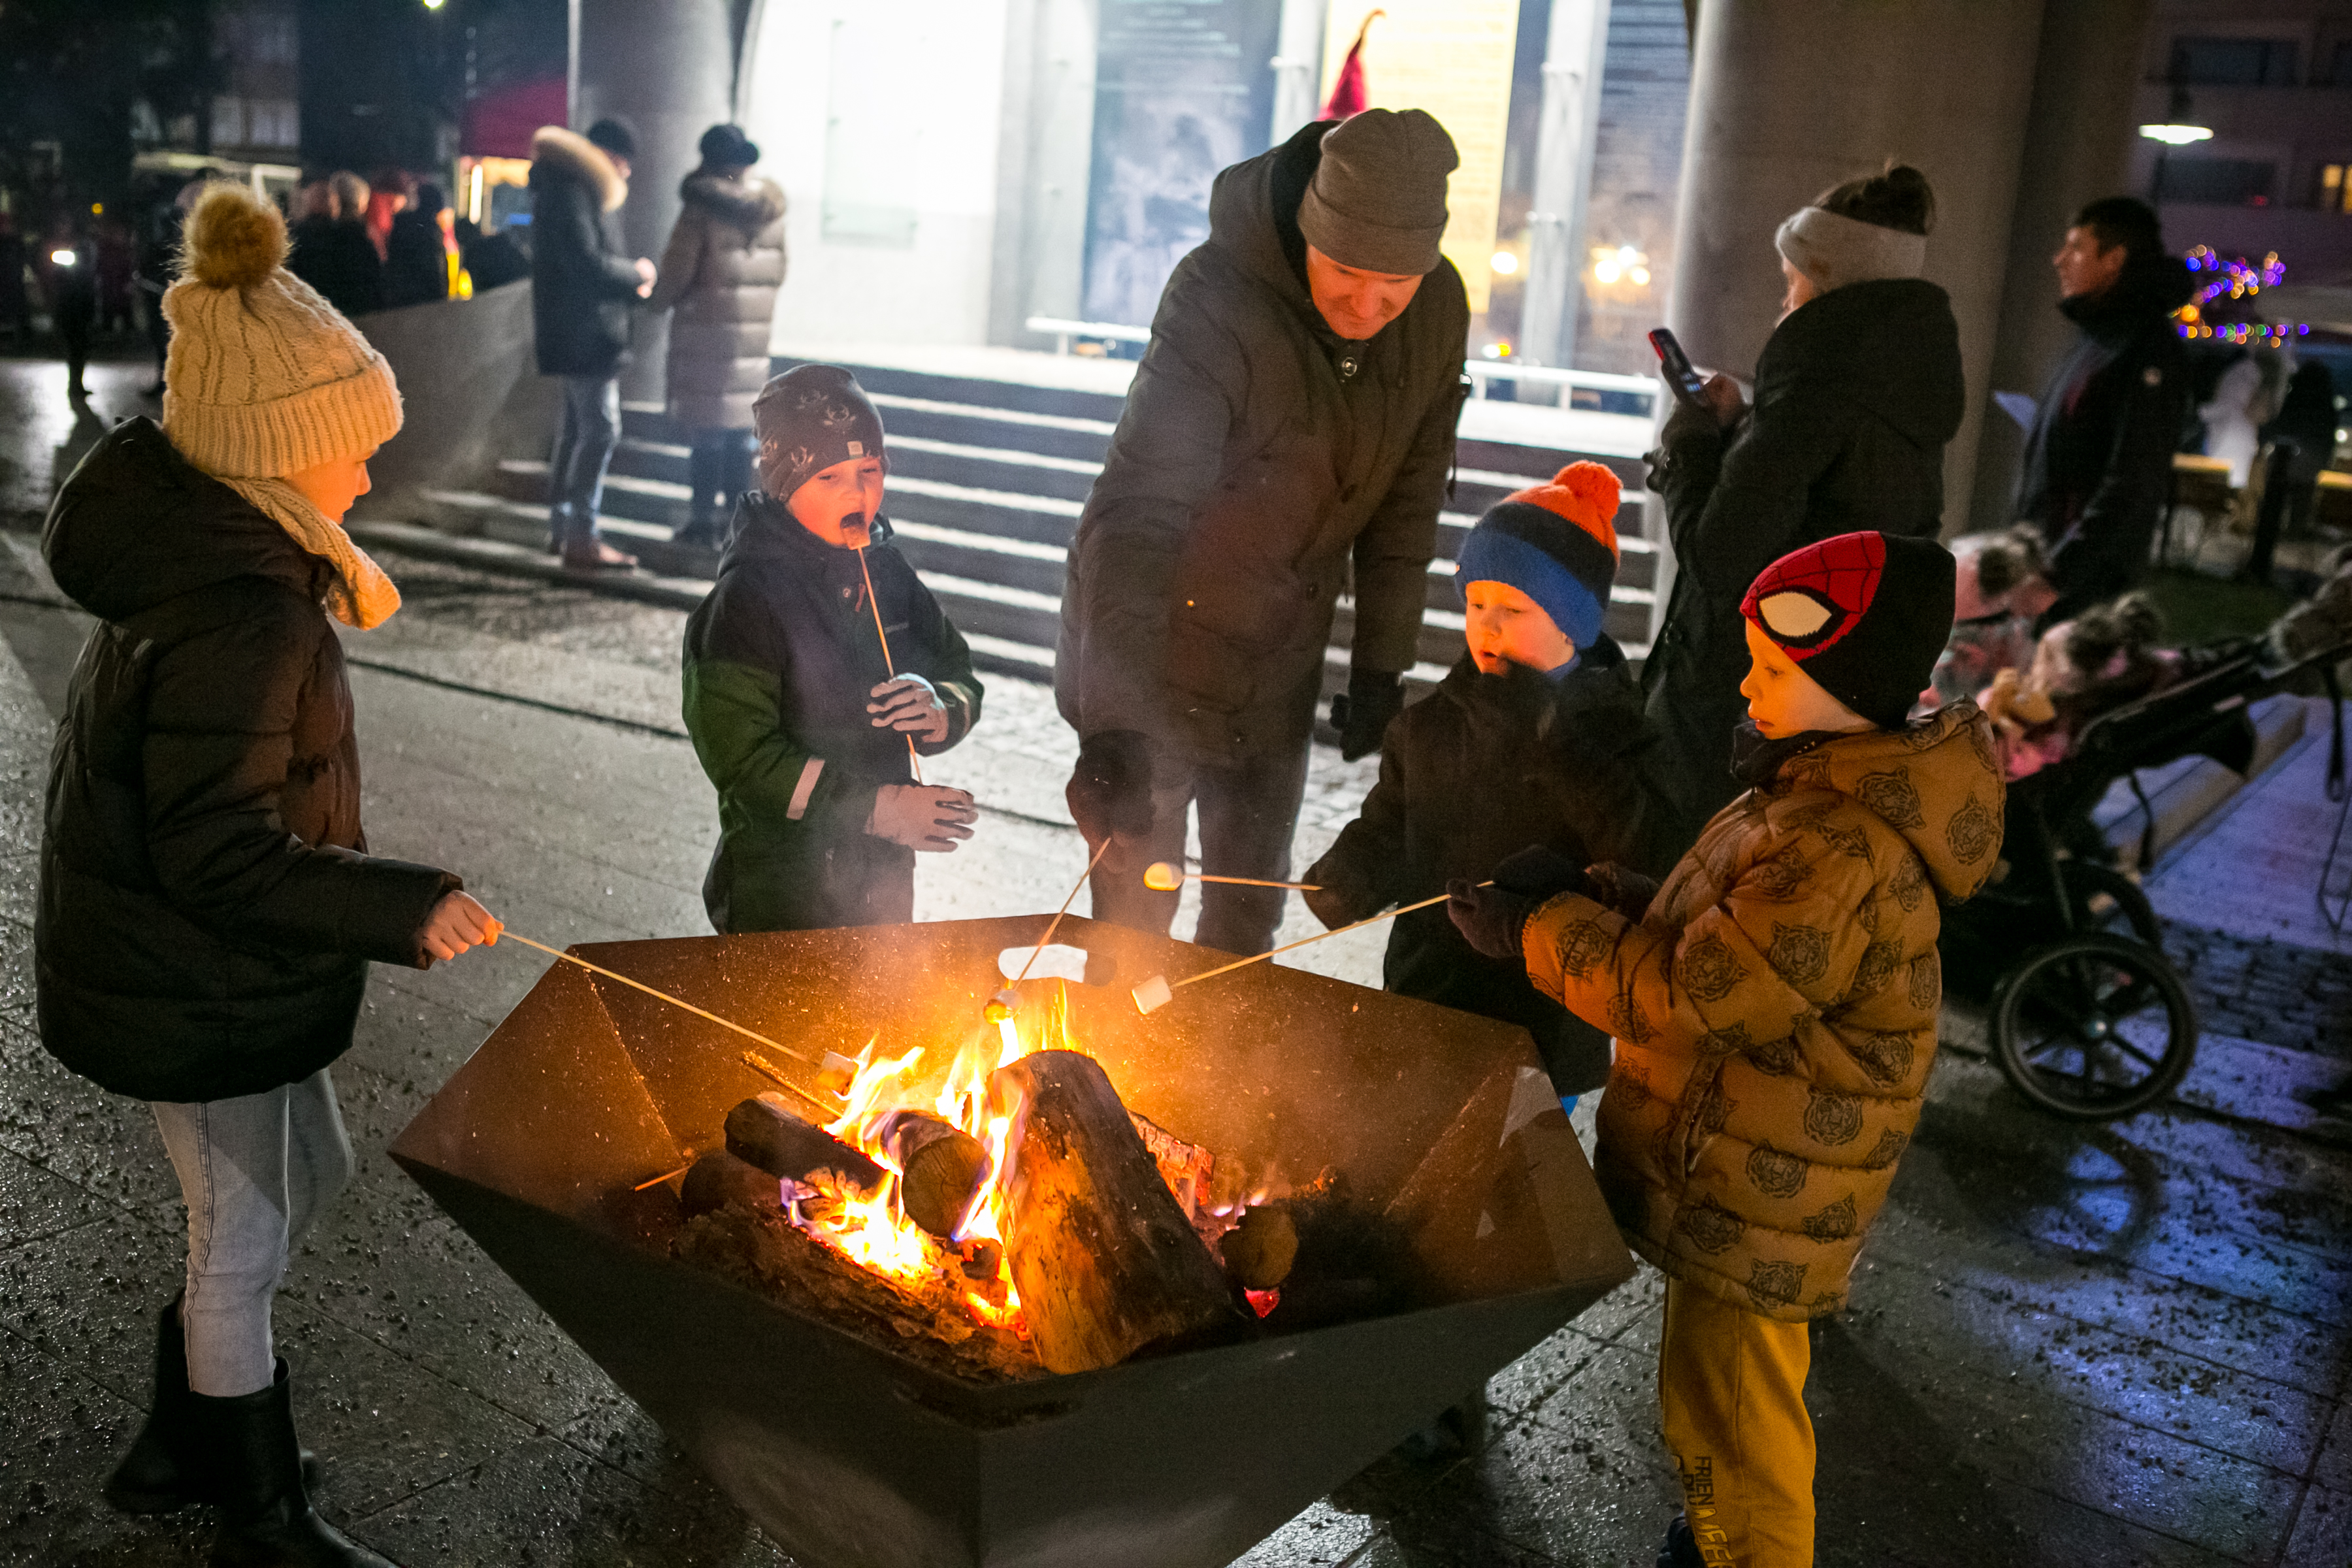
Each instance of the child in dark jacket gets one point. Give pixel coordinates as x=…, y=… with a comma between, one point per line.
x=802, y=717
x=1775, y=1006
x=1535, y=737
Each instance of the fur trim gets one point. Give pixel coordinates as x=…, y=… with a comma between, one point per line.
x=234, y=239
x=575, y=156
x=747, y=203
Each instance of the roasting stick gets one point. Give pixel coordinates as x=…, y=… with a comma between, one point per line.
x=1000, y=1006
x=1166, y=876
x=512, y=935
x=1154, y=994
x=914, y=758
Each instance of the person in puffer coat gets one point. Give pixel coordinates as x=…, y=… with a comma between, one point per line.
x=1533, y=737
x=1858, y=391
x=721, y=273
x=208, y=904
x=1775, y=1007
x=800, y=721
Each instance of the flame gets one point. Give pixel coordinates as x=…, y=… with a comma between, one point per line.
x=872, y=1229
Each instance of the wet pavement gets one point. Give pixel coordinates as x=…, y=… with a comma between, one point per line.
x=2069, y=1343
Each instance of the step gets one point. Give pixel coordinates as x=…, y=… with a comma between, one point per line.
x=1028, y=398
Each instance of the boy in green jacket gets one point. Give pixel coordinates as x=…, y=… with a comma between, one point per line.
x=802, y=717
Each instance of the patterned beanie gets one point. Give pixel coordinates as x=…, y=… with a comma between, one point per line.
x=808, y=419
x=264, y=377
x=1555, y=543
x=1863, y=614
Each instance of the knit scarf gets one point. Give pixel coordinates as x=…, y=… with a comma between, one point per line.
x=360, y=594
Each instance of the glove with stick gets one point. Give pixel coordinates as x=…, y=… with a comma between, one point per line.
x=912, y=706
x=1109, y=792
x=1490, y=917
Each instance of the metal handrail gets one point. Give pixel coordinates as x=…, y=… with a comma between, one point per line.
x=1479, y=371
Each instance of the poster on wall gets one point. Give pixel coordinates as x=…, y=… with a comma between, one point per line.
x=1452, y=59
x=1183, y=88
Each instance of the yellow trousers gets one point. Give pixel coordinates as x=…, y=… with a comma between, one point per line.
x=1731, y=1390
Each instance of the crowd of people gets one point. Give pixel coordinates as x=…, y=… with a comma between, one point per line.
x=1711, y=890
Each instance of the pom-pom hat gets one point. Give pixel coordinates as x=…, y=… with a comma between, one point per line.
x=1555, y=543
x=264, y=378
x=1863, y=614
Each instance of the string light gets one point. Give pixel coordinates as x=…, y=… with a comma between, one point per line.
x=2232, y=277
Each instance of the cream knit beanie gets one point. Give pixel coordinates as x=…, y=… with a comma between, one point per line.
x=264, y=378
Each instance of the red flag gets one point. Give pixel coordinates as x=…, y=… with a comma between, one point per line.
x=1348, y=92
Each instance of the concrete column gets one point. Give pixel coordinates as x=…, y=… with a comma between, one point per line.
x=1575, y=45
x=2078, y=145
x=1791, y=97
x=1299, y=67
x=1045, y=141
x=668, y=66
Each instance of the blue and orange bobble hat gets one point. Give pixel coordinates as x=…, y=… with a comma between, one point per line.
x=1555, y=543
x=1863, y=614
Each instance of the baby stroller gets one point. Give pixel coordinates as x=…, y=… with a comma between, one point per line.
x=2087, y=1019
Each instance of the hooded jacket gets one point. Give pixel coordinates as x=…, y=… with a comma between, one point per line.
x=2098, y=461
x=721, y=271
x=1857, y=391
x=207, y=905
x=1775, y=1010
x=780, y=658
x=584, y=280
x=1261, y=465
x=1476, y=771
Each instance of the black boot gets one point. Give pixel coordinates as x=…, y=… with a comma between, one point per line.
x=159, y=1475
x=266, y=1520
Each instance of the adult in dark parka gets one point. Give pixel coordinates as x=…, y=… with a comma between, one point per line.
x=585, y=286
x=1288, y=434
x=2098, y=461
x=1857, y=391
x=207, y=903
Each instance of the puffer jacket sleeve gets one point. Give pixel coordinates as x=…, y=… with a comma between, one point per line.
x=1357, y=877
x=1781, y=943
x=219, y=742
x=1392, y=555
x=1734, y=506
x=1164, y=461
x=681, y=259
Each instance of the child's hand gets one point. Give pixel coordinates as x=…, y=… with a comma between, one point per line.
x=457, y=924
x=910, y=705
x=922, y=817
x=1626, y=891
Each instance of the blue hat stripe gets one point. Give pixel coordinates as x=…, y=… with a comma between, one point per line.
x=1490, y=555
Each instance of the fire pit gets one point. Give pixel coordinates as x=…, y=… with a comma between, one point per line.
x=855, y=1455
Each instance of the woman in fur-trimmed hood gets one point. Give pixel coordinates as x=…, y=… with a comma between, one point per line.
x=720, y=274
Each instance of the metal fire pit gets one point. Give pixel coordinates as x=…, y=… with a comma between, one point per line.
x=852, y=1457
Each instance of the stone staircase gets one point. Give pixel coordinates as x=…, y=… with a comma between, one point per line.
x=987, y=479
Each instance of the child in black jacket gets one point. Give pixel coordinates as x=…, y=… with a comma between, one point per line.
x=1535, y=737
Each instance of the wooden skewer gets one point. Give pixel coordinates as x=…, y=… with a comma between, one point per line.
x=1158, y=989
x=664, y=1176
x=914, y=758
x=665, y=996
x=1001, y=999
x=1166, y=876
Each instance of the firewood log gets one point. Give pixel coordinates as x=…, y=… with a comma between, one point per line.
x=944, y=1167
x=719, y=1178
x=1105, y=1260
x=766, y=1132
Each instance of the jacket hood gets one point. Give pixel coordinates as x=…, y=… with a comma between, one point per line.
x=763, y=531
x=1891, y=345
x=2149, y=287
x=567, y=153
x=746, y=203
x=1936, y=783
x=136, y=524
x=1253, y=213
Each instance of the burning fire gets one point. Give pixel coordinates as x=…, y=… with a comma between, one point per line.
x=873, y=1230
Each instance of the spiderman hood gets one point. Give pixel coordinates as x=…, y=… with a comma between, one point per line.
x=1889, y=348
x=1934, y=782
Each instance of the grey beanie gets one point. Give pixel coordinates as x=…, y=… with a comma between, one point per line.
x=1378, y=201
x=1834, y=250
x=808, y=419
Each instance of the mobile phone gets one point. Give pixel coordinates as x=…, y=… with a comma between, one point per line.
x=1688, y=387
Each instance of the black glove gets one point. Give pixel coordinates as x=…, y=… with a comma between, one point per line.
x=1489, y=919
x=1361, y=713
x=1541, y=873
x=1626, y=892
x=1109, y=792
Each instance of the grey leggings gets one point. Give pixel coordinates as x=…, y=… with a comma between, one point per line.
x=256, y=1171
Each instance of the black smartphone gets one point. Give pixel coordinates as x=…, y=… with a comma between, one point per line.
x=1689, y=387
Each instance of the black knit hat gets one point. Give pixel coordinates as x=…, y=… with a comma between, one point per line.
x=726, y=147
x=616, y=136
x=809, y=418
x=1864, y=615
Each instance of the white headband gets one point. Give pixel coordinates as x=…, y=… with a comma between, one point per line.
x=1834, y=250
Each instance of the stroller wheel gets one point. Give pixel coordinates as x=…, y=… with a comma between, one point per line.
x=2092, y=1028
